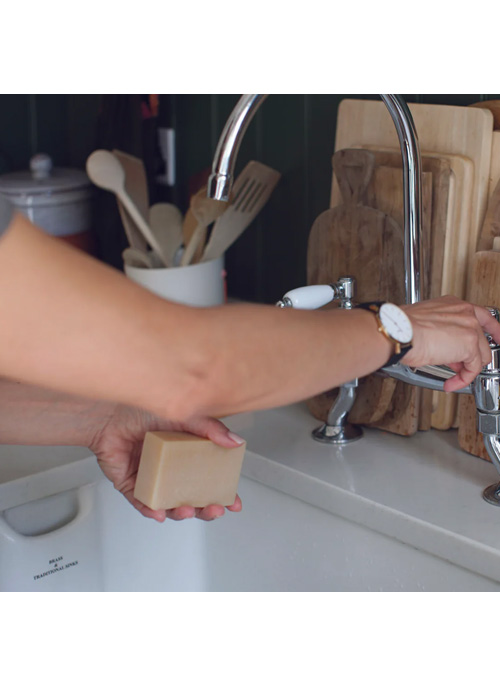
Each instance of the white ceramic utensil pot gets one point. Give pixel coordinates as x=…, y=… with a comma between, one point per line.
x=198, y=285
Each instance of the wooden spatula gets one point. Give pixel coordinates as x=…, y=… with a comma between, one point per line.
x=202, y=212
x=166, y=223
x=136, y=186
x=252, y=189
x=136, y=183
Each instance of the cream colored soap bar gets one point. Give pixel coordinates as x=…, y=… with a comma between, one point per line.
x=180, y=468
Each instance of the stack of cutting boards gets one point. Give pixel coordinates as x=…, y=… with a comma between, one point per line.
x=361, y=235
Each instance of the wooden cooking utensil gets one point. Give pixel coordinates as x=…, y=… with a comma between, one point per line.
x=165, y=220
x=104, y=169
x=137, y=188
x=136, y=183
x=353, y=239
x=252, y=189
x=484, y=289
x=134, y=236
x=205, y=211
x=135, y=257
x=191, y=222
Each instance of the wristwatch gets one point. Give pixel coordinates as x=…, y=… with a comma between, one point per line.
x=394, y=324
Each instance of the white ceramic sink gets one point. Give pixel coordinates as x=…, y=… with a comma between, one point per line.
x=383, y=514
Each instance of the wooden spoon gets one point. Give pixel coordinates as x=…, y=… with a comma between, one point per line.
x=134, y=236
x=105, y=171
x=166, y=223
x=132, y=256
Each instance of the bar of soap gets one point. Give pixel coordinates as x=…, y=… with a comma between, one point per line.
x=182, y=469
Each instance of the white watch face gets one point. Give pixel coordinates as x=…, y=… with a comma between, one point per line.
x=396, y=323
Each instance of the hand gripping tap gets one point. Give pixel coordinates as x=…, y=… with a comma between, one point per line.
x=486, y=391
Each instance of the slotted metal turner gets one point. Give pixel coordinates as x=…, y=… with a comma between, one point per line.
x=251, y=191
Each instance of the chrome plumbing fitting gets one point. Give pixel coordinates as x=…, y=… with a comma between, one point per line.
x=336, y=430
x=486, y=391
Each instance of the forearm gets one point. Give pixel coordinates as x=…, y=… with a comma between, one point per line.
x=30, y=415
x=75, y=325
x=265, y=356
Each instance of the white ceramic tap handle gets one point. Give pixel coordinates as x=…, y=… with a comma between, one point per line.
x=309, y=296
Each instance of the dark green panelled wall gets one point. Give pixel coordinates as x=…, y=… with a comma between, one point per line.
x=292, y=133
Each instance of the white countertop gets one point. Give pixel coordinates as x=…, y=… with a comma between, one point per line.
x=424, y=490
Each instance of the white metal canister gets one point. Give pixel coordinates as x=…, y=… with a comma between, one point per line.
x=58, y=200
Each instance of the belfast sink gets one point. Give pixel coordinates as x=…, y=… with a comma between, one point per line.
x=385, y=513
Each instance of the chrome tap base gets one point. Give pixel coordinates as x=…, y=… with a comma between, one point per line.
x=337, y=435
x=492, y=494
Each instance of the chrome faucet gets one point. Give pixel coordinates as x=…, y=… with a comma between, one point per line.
x=486, y=387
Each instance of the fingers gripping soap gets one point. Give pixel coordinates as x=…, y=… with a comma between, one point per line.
x=179, y=469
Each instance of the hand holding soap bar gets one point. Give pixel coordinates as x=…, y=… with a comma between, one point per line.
x=179, y=469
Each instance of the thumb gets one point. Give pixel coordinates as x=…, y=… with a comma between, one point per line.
x=214, y=430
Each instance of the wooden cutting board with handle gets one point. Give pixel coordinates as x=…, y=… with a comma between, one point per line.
x=485, y=290
x=354, y=240
x=452, y=206
x=385, y=193
x=408, y=405
x=442, y=129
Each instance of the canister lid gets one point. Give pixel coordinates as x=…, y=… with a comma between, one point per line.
x=42, y=179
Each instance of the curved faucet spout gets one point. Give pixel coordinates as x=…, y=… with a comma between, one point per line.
x=221, y=179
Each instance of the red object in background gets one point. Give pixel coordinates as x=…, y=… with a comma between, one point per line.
x=83, y=241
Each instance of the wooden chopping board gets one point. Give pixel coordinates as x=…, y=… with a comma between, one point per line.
x=450, y=252
x=409, y=408
x=494, y=166
x=485, y=290
x=456, y=262
x=494, y=107
x=385, y=193
x=442, y=129
x=353, y=239
x=491, y=225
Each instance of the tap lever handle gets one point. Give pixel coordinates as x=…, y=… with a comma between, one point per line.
x=495, y=313
x=316, y=296
x=308, y=297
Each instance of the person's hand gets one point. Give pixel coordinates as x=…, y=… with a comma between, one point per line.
x=447, y=330
x=118, y=444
